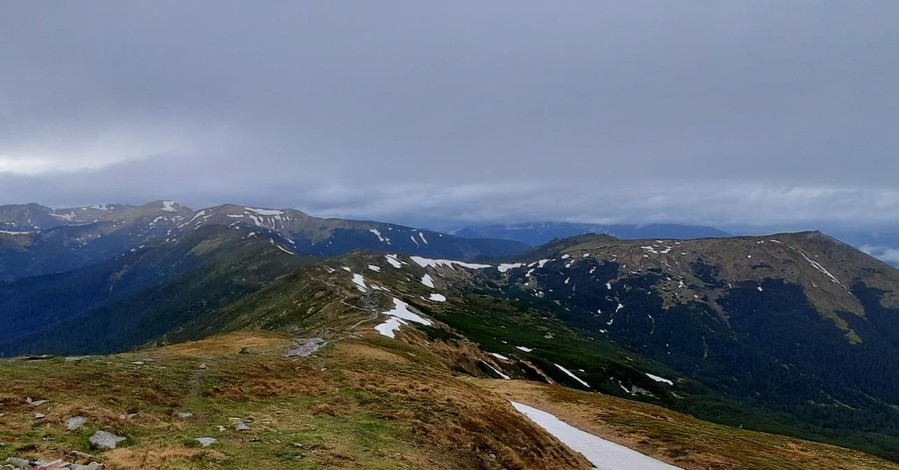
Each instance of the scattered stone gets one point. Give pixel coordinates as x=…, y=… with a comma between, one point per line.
x=241, y=426
x=138, y=363
x=39, y=416
x=75, y=358
x=90, y=466
x=35, y=402
x=54, y=465
x=222, y=429
x=245, y=350
x=17, y=462
x=106, y=440
x=203, y=366
x=305, y=347
x=206, y=441
x=298, y=445
x=75, y=422
x=42, y=357
x=185, y=415
x=80, y=457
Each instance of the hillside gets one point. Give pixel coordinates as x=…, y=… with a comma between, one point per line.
x=360, y=401
x=37, y=240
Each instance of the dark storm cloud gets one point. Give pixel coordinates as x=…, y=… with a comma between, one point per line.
x=716, y=112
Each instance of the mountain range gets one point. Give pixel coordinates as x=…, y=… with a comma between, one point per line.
x=538, y=233
x=793, y=334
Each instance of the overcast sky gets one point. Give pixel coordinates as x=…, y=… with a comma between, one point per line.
x=726, y=113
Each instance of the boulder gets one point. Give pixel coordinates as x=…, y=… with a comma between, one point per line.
x=106, y=440
x=206, y=441
x=75, y=422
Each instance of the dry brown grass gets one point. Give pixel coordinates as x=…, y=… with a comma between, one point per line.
x=680, y=439
x=231, y=343
x=163, y=458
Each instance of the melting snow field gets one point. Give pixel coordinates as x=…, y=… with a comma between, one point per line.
x=425, y=262
x=603, y=454
x=360, y=282
x=437, y=298
x=659, y=379
x=394, y=261
x=399, y=315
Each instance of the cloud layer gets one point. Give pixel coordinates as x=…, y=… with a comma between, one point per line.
x=737, y=113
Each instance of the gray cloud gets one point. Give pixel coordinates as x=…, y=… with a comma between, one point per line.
x=735, y=113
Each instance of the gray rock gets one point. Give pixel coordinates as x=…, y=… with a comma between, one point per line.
x=106, y=440
x=203, y=366
x=90, y=466
x=185, y=415
x=17, y=462
x=80, y=457
x=241, y=426
x=39, y=416
x=58, y=464
x=35, y=402
x=206, y=441
x=75, y=422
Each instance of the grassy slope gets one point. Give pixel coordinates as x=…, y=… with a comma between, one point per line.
x=368, y=402
x=361, y=404
x=677, y=438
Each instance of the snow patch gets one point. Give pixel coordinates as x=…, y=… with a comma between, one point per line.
x=522, y=348
x=263, y=211
x=571, y=374
x=603, y=454
x=659, y=379
x=360, y=282
x=394, y=261
x=167, y=206
x=820, y=268
x=374, y=268
x=399, y=315
x=437, y=298
x=507, y=266
x=377, y=234
x=427, y=262
x=285, y=250
x=427, y=280
x=496, y=371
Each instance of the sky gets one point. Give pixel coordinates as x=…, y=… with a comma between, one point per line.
x=752, y=114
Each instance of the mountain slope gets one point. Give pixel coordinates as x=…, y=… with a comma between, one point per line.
x=131, y=298
x=677, y=324
x=791, y=333
x=36, y=240
x=538, y=233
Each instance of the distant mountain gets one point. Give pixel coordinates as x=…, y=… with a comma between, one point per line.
x=36, y=240
x=539, y=233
